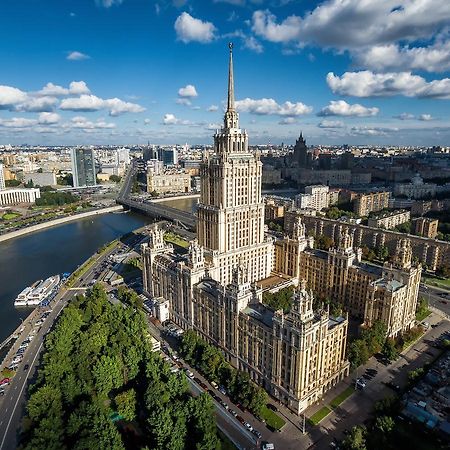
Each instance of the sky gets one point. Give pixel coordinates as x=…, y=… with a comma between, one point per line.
x=135, y=71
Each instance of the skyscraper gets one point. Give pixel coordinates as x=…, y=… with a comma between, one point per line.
x=230, y=224
x=83, y=167
x=2, y=178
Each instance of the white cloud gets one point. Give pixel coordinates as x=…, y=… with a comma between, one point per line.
x=37, y=104
x=85, y=124
x=147, y=121
x=268, y=106
x=183, y=101
x=77, y=56
x=368, y=84
x=252, y=44
x=54, y=90
x=342, y=108
x=213, y=126
x=288, y=121
x=10, y=96
x=371, y=131
x=391, y=57
x=17, y=122
x=264, y=25
x=426, y=117
x=331, y=124
x=48, y=118
x=190, y=29
x=78, y=88
x=188, y=91
x=348, y=24
x=108, y=3
x=89, y=103
x=213, y=108
x=171, y=119
x=405, y=116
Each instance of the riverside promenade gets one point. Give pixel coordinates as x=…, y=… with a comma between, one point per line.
x=52, y=223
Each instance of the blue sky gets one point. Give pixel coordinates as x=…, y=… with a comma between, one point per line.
x=132, y=71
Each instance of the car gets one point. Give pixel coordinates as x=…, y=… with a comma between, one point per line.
x=26, y=367
x=214, y=384
x=248, y=426
x=257, y=434
x=2, y=392
x=393, y=386
x=5, y=381
x=224, y=405
x=203, y=385
x=444, y=302
x=240, y=419
x=268, y=446
x=189, y=373
x=222, y=390
x=272, y=407
x=233, y=412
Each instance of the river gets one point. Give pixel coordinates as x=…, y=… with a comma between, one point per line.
x=58, y=249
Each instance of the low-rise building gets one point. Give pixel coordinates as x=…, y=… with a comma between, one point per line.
x=18, y=196
x=425, y=226
x=371, y=202
x=416, y=189
x=389, y=219
x=171, y=181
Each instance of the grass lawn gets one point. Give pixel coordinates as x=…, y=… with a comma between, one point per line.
x=341, y=397
x=10, y=216
x=272, y=419
x=175, y=239
x=81, y=271
x=316, y=418
x=423, y=315
x=444, y=284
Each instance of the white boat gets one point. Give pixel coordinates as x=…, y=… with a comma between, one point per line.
x=38, y=292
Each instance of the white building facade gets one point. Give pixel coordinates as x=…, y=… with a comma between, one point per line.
x=17, y=196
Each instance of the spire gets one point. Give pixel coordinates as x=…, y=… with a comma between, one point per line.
x=230, y=80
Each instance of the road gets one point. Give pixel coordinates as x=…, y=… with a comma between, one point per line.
x=437, y=298
x=12, y=404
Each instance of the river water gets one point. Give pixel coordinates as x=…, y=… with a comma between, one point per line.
x=59, y=249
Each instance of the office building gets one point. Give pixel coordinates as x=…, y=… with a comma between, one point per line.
x=169, y=156
x=83, y=167
x=217, y=288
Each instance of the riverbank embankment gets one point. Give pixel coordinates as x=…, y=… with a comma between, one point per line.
x=52, y=223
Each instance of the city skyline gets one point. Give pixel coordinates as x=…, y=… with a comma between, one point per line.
x=132, y=71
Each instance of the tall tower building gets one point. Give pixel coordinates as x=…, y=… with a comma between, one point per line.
x=230, y=222
x=83, y=167
x=2, y=178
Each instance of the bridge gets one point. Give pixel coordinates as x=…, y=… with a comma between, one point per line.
x=155, y=210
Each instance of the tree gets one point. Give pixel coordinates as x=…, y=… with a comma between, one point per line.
x=358, y=353
x=115, y=178
x=385, y=424
x=356, y=439
x=323, y=242
x=390, y=350
x=126, y=404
